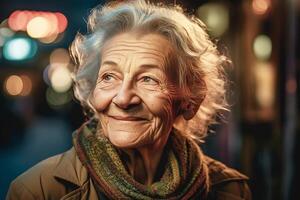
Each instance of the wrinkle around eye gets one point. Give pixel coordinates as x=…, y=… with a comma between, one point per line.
x=150, y=80
x=155, y=87
x=106, y=80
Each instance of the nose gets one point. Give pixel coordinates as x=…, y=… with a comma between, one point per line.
x=126, y=97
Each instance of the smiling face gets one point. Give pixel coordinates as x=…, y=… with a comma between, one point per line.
x=132, y=94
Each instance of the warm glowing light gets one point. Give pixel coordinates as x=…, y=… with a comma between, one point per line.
x=42, y=25
x=19, y=49
x=58, y=72
x=260, y=7
x=27, y=85
x=17, y=20
x=265, y=81
x=215, y=16
x=62, y=22
x=38, y=27
x=12, y=20
x=49, y=39
x=60, y=56
x=53, y=22
x=18, y=85
x=14, y=85
x=60, y=79
x=262, y=47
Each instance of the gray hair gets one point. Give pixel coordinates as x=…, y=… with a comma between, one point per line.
x=199, y=64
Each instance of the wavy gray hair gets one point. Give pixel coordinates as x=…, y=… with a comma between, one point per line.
x=199, y=65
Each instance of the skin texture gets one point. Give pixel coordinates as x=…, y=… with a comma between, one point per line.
x=135, y=106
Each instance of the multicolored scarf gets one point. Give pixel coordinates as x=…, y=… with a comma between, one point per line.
x=184, y=175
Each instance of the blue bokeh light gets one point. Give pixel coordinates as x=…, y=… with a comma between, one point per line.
x=20, y=48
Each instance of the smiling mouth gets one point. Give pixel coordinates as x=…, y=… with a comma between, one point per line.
x=128, y=118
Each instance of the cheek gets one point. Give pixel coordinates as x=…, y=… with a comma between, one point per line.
x=102, y=98
x=160, y=105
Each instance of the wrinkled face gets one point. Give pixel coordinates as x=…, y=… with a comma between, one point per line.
x=132, y=93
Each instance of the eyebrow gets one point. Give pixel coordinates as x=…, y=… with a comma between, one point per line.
x=144, y=66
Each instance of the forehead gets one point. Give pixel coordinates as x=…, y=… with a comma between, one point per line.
x=149, y=47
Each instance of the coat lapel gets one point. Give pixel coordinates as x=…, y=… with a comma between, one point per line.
x=70, y=169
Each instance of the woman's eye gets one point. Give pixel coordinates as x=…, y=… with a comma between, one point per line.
x=107, y=77
x=148, y=79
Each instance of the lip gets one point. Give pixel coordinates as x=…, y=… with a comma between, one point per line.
x=127, y=118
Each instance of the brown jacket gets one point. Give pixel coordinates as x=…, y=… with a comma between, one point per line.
x=64, y=177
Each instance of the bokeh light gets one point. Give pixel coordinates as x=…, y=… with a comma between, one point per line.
x=27, y=85
x=60, y=79
x=6, y=32
x=38, y=27
x=60, y=56
x=265, y=79
x=53, y=22
x=62, y=22
x=18, y=85
x=45, y=26
x=215, y=16
x=14, y=85
x=262, y=47
x=57, y=73
x=46, y=75
x=18, y=20
x=260, y=7
x=49, y=39
x=19, y=49
x=56, y=99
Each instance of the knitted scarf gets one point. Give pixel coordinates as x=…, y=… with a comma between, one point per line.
x=184, y=175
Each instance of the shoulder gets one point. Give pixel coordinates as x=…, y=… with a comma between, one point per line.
x=225, y=182
x=55, y=173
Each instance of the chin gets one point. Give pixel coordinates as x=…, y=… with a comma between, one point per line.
x=124, y=142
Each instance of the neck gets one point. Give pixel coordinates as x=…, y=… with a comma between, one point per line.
x=142, y=162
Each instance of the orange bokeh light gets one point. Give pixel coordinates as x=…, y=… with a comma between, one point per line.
x=60, y=56
x=27, y=85
x=49, y=39
x=260, y=7
x=18, y=85
x=53, y=23
x=14, y=85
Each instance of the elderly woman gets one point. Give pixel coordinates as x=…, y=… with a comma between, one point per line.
x=151, y=81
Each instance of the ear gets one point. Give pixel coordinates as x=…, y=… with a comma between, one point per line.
x=190, y=110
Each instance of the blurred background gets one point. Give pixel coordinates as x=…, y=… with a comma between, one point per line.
x=260, y=137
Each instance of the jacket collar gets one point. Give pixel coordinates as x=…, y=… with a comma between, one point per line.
x=220, y=173
x=70, y=168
